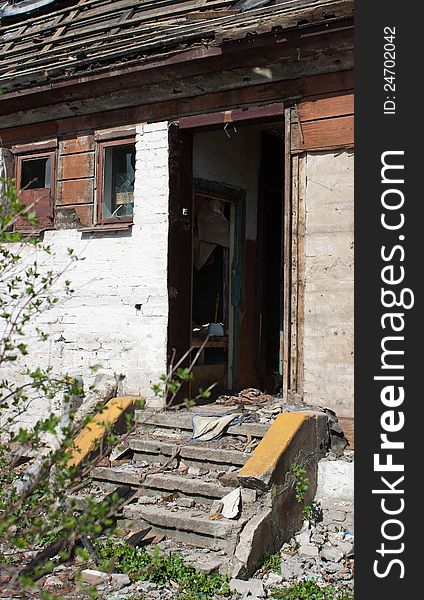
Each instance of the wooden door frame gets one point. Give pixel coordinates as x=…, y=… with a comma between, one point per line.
x=289, y=351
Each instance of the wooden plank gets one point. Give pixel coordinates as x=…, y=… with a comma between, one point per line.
x=324, y=108
x=76, y=166
x=75, y=216
x=147, y=42
x=186, y=62
x=77, y=143
x=328, y=83
x=168, y=109
x=336, y=132
x=99, y=30
x=294, y=273
x=285, y=334
x=35, y=147
x=76, y=191
x=312, y=52
x=301, y=275
x=274, y=111
x=115, y=134
x=287, y=68
x=176, y=26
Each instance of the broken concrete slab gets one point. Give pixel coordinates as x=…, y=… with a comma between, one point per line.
x=273, y=579
x=331, y=554
x=308, y=550
x=185, y=502
x=252, y=544
x=184, y=520
x=94, y=577
x=189, y=451
x=183, y=420
x=253, y=588
x=190, y=512
x=119, y=580
x=208, y=566
x=104, y=389
x=165, y=482
x=291, y=435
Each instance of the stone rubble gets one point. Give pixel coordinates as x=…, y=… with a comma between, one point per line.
x=323, y=550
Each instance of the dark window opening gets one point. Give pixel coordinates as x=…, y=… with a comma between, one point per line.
x=36, y=173
x=35, y=176
x=118, y=181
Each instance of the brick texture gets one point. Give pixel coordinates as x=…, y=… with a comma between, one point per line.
x=118, y=314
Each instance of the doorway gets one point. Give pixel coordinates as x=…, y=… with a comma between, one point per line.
x=225, y=259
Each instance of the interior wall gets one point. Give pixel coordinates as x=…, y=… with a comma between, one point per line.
x=329, y=281
x=234, y=160
x=231, y=157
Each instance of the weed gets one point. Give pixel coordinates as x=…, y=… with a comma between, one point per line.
x=272, y=562
x=312, y=512
x=310, y=590
x=301, y=481
x=141, y=565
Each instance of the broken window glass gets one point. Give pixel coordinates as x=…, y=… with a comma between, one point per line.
x=118, y=181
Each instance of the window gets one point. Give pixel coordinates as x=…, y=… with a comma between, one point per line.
x=35, y=185
x=116, y=181
x=36, y=173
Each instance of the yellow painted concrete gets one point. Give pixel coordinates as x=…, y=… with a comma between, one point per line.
x=94, y=431
x=274, y=443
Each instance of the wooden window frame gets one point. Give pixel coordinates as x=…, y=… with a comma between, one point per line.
x=101, y=147
x=19, y=159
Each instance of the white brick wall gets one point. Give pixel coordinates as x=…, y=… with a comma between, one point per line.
x=99, y=324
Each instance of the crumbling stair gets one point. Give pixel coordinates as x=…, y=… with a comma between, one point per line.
x=180, y=482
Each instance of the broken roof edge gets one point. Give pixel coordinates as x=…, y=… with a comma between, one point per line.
x=194, y=48
x=23, y=7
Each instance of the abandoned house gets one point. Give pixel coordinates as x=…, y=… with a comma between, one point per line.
x=199, y=155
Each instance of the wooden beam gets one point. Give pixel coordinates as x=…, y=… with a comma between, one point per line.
x=286, y=262
x=301, y=188
x=177, y=108
x=323, y=108
x=292, y=383
x=221, y=75
x=274, y=111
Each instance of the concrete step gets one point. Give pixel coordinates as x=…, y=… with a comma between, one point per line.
x=269, y=513
x=214, y=458
x=188, y=526
x=183, y=420
x=162, y=482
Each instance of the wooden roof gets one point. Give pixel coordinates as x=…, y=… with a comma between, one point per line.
x=89, y=36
